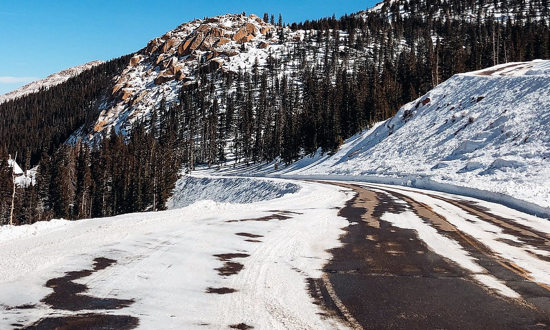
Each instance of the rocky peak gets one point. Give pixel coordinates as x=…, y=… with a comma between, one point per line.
x=173, y=60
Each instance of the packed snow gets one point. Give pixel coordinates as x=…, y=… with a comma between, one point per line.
x=166, y=262
x=508, y=247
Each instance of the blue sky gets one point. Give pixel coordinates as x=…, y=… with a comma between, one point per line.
x=40, y=37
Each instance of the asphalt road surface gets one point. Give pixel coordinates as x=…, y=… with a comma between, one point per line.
x=385, y=276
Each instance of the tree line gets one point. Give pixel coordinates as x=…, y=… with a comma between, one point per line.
x=345, y=75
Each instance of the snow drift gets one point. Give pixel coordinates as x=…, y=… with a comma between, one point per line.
x=191, y=189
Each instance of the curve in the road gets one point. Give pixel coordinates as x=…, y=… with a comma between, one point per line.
x=387, y=277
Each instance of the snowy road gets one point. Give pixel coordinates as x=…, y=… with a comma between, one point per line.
x=336, y=255
x=419, y=259
x=208, y=266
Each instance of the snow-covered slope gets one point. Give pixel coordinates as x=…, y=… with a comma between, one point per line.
x=488, y=130
x=463, y=10
x=172, y=64
x=49, y=81
x=217, y=49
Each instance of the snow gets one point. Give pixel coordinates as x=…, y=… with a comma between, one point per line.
x=497, y=10
x=22, y=178
x=487, y=134
x=48, y=82
x=15, y=167
x=190, y=189
x=165, y=260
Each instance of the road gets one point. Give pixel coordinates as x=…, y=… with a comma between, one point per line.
x=389, y=276
x=334, y=255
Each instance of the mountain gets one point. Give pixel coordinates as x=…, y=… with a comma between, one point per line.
x=499, y=10
x=232, y=44
x=242, y=89
x=486, y=129
x=173, y=61
x=48, y=82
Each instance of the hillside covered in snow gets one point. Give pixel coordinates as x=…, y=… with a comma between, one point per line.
x=487, y=130
x=500, y=10
x=51, y=80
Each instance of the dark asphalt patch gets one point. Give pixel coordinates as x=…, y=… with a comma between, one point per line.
x=86, y=321
x=249, y=235
x=241, y=326
x=68, y=295
x=230, y=267
x=276, y=216
x=220, y=290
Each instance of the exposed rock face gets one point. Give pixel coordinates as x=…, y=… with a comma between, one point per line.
x=170, y=63
x=263, y=45
x=217, y=32
x=99, y=126
x=135, y=60
x=127, y=93
x=246, y=39
x=160, y=58
x=153, y=45
x=169, y=44
x=140, y=97
x=117, y=88
x=164, y=77
x=240, y=34
x=221, y=42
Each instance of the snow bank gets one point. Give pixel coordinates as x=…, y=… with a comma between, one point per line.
x=484, y=134
x=190, y=189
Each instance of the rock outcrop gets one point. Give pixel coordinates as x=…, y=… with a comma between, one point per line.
x=135, y=60
x=164, y=77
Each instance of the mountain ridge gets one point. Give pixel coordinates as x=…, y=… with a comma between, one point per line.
x=52, y=80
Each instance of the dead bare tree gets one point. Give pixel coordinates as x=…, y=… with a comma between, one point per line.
x=13, y=192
